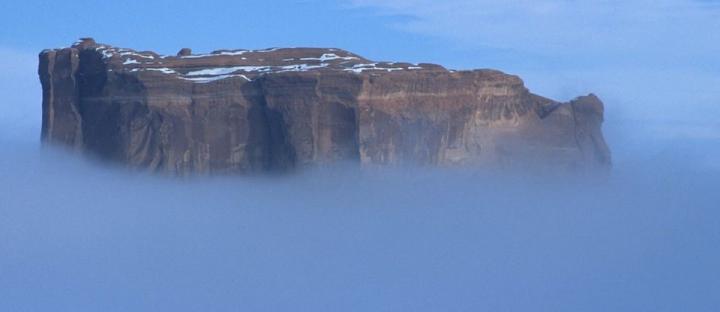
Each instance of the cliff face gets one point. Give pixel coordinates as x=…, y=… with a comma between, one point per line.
x=276, y=109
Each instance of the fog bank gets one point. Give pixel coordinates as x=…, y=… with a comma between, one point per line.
x=76, y=236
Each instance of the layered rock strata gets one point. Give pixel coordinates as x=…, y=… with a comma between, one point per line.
x=240, y=111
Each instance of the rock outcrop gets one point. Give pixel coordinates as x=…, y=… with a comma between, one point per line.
x=277, y=109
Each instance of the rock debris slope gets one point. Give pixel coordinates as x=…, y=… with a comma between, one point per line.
x=239, y=111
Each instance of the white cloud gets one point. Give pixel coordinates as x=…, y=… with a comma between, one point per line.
x=564, y=26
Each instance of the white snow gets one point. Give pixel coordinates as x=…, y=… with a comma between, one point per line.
x=206, y=75
x=212, y=71
x=136, y=54
x=260, y=69
x=328, y=57
x=228, y=70
x=164, y=70
x=239, y=52
x=214, y=78
x=359, y=68
x=300, y=67
x=107, y=53
x=214, y=74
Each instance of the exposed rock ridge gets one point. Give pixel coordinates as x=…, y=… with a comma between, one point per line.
x=276, y=109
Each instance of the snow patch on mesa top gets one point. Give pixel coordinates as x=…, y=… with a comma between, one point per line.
x=163, y=70
x=227, y=70
x=258, y=69
x=328, y=57
x=325, y=58
x=213, y=78
x=132, y=53
x=219, y=73
x=359, y=68
x=109, y=51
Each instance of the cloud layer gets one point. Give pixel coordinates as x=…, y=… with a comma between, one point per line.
x=75, y=236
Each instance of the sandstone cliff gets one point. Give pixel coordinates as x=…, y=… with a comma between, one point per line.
x=277, y=109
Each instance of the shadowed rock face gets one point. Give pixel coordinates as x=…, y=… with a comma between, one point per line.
x=277, y=109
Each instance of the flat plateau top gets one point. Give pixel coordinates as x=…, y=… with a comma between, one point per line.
x=244, y=64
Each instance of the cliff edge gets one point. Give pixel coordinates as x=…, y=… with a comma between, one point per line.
x=239, y=111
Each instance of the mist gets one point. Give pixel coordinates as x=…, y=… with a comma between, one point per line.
x=79, y=236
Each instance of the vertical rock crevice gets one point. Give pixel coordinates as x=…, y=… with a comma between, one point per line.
x=62, y=122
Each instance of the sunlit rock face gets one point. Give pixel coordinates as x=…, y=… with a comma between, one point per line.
x=242, y=111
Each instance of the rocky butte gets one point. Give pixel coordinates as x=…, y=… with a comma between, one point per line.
x=242, y=111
